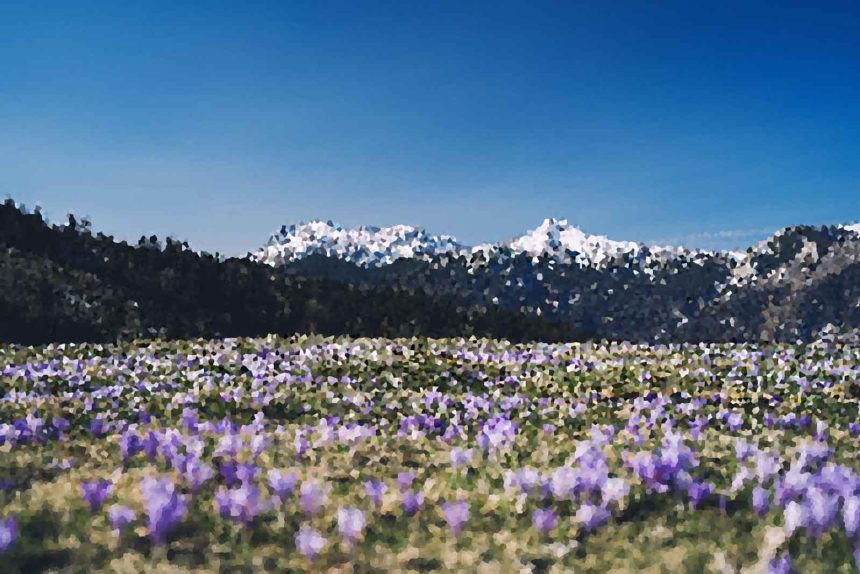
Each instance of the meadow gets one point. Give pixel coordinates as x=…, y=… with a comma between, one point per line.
x=411, y=455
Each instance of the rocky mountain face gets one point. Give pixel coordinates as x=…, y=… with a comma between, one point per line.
x=798, y=283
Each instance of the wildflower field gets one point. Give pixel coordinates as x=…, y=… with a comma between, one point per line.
x=369, y=455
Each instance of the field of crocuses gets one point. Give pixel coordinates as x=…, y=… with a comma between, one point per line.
x=311, y=454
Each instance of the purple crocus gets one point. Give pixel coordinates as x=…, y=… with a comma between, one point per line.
x=544, y=520
x=820, y=512
x=735, y=421
x=375, y=489
x=60, y=424
x=851, y=515
x=282, y=483
x=312, y=498
x=698, y=491
x=246, y=472
x=780, y=565
x=190, y=419
x=164, y=506
x=197, y=473
x=95, y=492
x=310, y=542
x=97, y=426
x=120, y=516
x=412, y=502
x=760, y=500
x=793, y=517
x=822, y=430
x=404, y=480
x=460, y=456
x=229, y=472
x=8, y=533
x=591, y=516
x=129, y=445
x=456, y=514
x=350, y=523
x=242, y=504
x=614, y=490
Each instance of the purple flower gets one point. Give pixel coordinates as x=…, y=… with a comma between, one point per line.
x=242, y=504
x=120, y=516
x=61, y=424
x=229, y=472
x=150, y=445
x=760, y=500
x=527, y=480
x=412, y=502
x=743, y=449
x=699, y=491
x=821, y=509
x=129, y=445
x=780, y=565
x=375, y=489
x=8, y=533
x=766, y=466
x=563, y=482
x=246, y=472
x=793, y=517
x=197, y=473
x=735, y=421
x=350, y=523
x=190, y=419
x=456, y=515
x=97, y=426
x=310, y=542
x=228, y=446
x=312, y=498
x=460, y=456
x=811, y=456
x=164, y=506
x=282, y=483
x=614, y=490
x=822, y=432
x=301, y=445
x=544, y=520
x=851, y=515
x=591, y=516
x=95, y=492
x=404, y=480
x=259, y=443
x=854, y=429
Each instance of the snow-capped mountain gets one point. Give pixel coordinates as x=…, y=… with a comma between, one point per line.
x=365, y=245
x=558, y=238
x=375, y=246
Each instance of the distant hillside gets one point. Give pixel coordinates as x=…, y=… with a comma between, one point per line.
x=66, y=283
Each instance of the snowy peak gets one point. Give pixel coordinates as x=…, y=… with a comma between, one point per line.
x=375, y=246
x=557, y=236
x=364, y=245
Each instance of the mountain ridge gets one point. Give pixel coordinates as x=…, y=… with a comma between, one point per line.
x=628, y=290
x=373, y=246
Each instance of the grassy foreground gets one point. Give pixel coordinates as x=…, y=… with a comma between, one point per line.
x=360, y=455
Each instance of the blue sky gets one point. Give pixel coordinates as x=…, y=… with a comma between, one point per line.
x=706, y=124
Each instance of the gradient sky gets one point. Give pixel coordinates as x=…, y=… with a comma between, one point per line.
x=705, y=124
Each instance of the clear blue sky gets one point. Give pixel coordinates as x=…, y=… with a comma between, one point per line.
x=691, y=122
